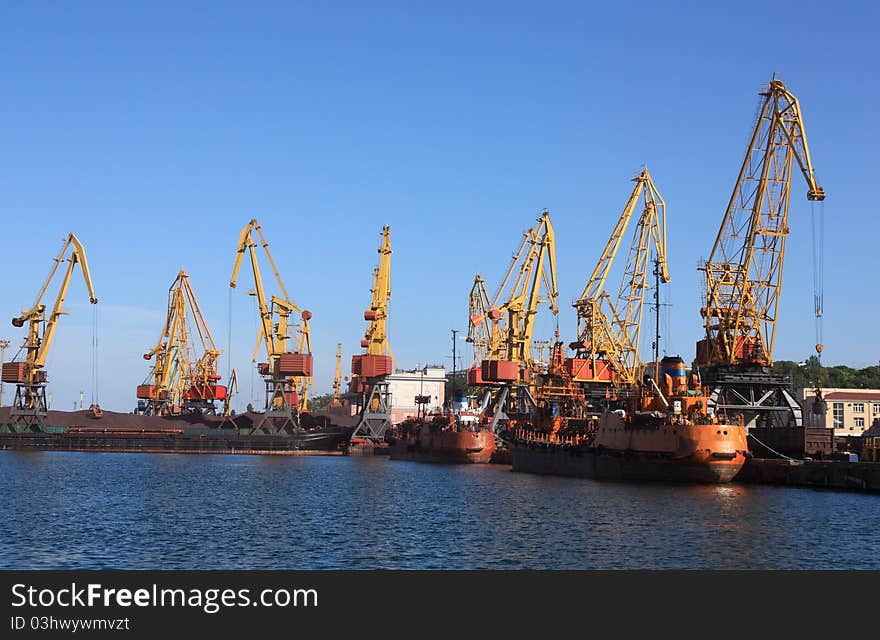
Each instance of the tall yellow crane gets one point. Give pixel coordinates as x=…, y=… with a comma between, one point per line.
x=502, y=328
x=287, y=374
x=29, y=376
x=609, y=330
x=375, y=340
x=337, y=378
x=370, y=369
x=744, y=270
x=178, y=381
x=743, y=275
x=483, y=315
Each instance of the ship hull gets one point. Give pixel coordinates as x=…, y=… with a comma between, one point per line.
x=583, y=462
x=668, y=453
x=446, y=447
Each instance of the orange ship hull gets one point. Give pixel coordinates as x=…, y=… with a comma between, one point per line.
x=453, y=447
x=707, y=453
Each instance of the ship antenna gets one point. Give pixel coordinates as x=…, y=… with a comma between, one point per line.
x=656, y=318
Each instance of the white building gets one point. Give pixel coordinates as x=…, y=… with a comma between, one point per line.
x=849, y=412
x=406, y=385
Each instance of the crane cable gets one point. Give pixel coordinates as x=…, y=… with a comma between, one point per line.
x=818, y=228
x=229, y=338
x=229, y=351
x=94, y=355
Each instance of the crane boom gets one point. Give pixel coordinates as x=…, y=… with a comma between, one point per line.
x=484, y=316
x=78, y=256
x=509, y=338
x=337, y=378
x=609, y=331
x=481, y=323
x=376, y=335
x=544, y=267
x=743, y=275
x=29, y=376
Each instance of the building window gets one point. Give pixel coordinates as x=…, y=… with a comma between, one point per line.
x=876, y=409
x=858, y=407
x=860, y=422
x=837, y=414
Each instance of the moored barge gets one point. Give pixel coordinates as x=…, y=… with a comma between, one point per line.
x=188, y=433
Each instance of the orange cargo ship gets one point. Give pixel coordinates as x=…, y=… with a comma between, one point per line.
x=446, y=438
x=662, y=433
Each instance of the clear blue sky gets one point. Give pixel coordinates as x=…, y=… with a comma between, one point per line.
x=156, y=130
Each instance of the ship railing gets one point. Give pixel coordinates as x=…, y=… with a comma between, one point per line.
x=569, y=439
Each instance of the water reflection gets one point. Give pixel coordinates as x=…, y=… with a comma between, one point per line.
x=84, y=510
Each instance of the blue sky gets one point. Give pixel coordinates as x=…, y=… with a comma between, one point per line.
x=156, y=130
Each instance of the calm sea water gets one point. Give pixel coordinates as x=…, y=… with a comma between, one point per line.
x=140, y=511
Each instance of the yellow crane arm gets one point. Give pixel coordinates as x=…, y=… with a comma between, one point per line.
x=527, y=236
x=246, y=244
x=596, y=282
x=650, y=232
x=479, y=330
x=337, y=379
x=514, y=341
x=161, y=344
x=487, y=336
x=201, y=325
x=744, y=270
x=611, y=329
x=504, y=330
x=546, y=250
x=165, y=359
x=376, y=334
x=78, y=256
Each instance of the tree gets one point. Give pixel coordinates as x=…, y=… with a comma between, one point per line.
x=811, y=372
x=320, y=403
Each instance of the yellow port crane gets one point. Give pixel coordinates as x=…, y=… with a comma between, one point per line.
x=177, y=381
x=503, y=331
x=744, y=270
x=287, y=374
x=743, y=275
x=607, y=348
x=375, y=340
x=482, y=323
x=337, y=377
x=502, y=328
x=370, y=369
x=29, y=376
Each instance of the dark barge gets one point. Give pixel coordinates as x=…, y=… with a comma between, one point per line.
x=192, y=433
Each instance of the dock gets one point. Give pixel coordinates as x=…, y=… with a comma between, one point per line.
x=826, y=474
